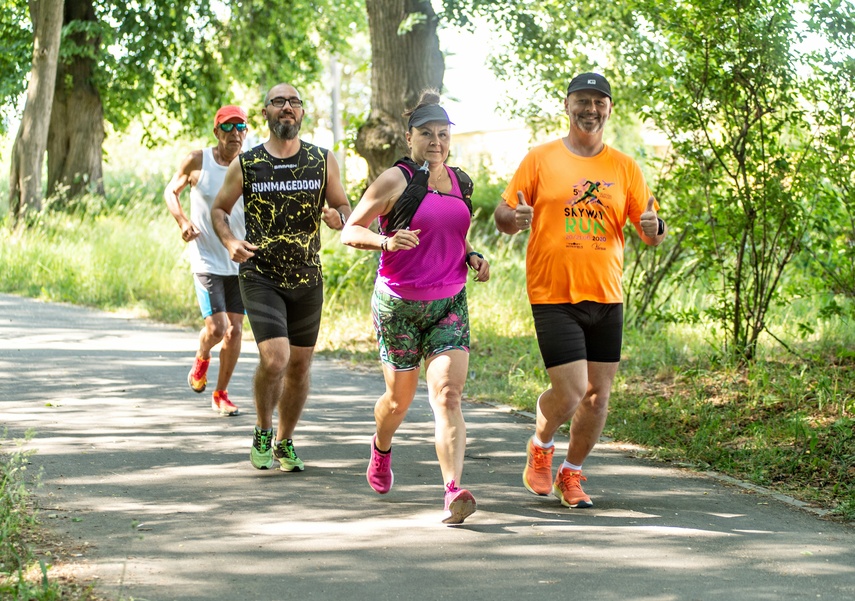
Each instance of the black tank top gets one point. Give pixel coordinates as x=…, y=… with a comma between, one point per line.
x=283, y=201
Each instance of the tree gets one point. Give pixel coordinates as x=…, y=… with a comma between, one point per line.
x=405, y=60
x=77, y=119
x=16, y=53
x=722, y=79
x=831, y=245
x=25, y=181
x=733, y=113
x=173, y=60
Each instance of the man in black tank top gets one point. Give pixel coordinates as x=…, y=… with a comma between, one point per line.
x=285, y=183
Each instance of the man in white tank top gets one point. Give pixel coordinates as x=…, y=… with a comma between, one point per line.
x=215, y=275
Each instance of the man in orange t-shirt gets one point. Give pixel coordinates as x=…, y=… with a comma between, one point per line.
x=576, y=194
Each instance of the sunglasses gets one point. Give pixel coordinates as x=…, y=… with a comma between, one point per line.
x=227, y=127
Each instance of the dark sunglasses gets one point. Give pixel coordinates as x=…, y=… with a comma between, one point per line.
x=227, y=127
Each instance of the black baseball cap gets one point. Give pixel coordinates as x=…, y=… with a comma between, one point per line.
x=590, y=81
x=428, y=113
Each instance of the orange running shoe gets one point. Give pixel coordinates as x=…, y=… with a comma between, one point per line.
x=568, y=489
x=537, y=475
x=198, y=378
x=221, y=404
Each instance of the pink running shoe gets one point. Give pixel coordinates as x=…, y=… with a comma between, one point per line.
x=459, y=504
x=221, y=404
x=379, y=474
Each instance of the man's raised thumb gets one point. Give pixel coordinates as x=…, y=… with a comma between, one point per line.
x=521, y=197
x=650, y=202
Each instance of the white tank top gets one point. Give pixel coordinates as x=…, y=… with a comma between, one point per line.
x=207, y=253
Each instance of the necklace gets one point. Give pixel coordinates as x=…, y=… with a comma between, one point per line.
x=438, y=180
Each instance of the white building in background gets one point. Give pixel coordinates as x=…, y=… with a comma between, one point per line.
x=500, y=150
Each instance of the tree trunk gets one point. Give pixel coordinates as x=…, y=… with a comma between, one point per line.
x=405, y=59
x=77, y=120
x=25, y=176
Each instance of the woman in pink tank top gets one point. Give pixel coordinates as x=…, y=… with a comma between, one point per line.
x=419, y=302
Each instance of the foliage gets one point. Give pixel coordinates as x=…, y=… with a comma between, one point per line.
x=16, y=52
x=259, y=52
x=131, y=257
x=831, y=241
x=548, y=47
x=22, y=575
x=733, y=114
x=758, y=168
x=178, y=60
x=782, y=423
x=15, y=520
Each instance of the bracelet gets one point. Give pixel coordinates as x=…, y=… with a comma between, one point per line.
x=477, y=254
x=343, y=218
x=661, y=229
x=383, y=245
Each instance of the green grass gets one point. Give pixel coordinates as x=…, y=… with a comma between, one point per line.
x=24, y=575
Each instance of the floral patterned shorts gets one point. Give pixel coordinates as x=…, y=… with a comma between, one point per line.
x=408, y=331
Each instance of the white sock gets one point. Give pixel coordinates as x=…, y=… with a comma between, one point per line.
x=543, y=445
x=570, y=466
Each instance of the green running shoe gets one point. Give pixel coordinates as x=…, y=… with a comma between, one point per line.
x=261, y=454
x=287, y=456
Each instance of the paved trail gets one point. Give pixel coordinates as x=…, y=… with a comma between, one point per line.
x=161, y=492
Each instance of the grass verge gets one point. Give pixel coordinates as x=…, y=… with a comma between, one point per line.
x=29, y=570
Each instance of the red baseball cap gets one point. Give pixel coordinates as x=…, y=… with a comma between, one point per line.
x=227, y=112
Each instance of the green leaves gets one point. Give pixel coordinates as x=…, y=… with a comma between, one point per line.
x=16, y=51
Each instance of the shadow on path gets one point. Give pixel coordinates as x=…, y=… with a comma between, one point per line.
x=158, y=490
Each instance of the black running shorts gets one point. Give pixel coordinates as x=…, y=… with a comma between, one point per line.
x=217, y=293
x=275, y=312
x=571, y=332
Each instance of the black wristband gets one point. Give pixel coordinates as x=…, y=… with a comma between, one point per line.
x=661, y=229
x=469, y=254
x=343, y=218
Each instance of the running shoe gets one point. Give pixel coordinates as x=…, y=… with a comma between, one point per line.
x=221, y=404
x=537, y=475
x=379, y=474
x=198, y=378
x=568, y=489
x=287, y=456
x=459, y=504
x=261, y=454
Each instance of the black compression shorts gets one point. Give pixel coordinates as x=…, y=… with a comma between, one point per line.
x=281, y=313
x=217, y=293
x=571, y=332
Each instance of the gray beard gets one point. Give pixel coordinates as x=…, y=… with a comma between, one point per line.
x=589, y=128
x=285, y=131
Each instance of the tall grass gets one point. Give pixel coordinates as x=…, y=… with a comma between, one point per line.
x=23, y=575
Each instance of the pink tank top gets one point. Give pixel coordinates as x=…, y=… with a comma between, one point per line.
x=436, y=268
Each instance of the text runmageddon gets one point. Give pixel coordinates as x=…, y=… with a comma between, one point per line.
x=286, y=186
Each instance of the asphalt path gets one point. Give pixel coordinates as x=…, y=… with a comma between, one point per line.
x=156, y=494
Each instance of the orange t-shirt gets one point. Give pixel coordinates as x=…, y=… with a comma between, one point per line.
x=581, y=205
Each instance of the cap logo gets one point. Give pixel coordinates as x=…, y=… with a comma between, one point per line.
x=592, y=81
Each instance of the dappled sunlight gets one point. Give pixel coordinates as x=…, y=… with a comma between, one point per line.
x=161, y=491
